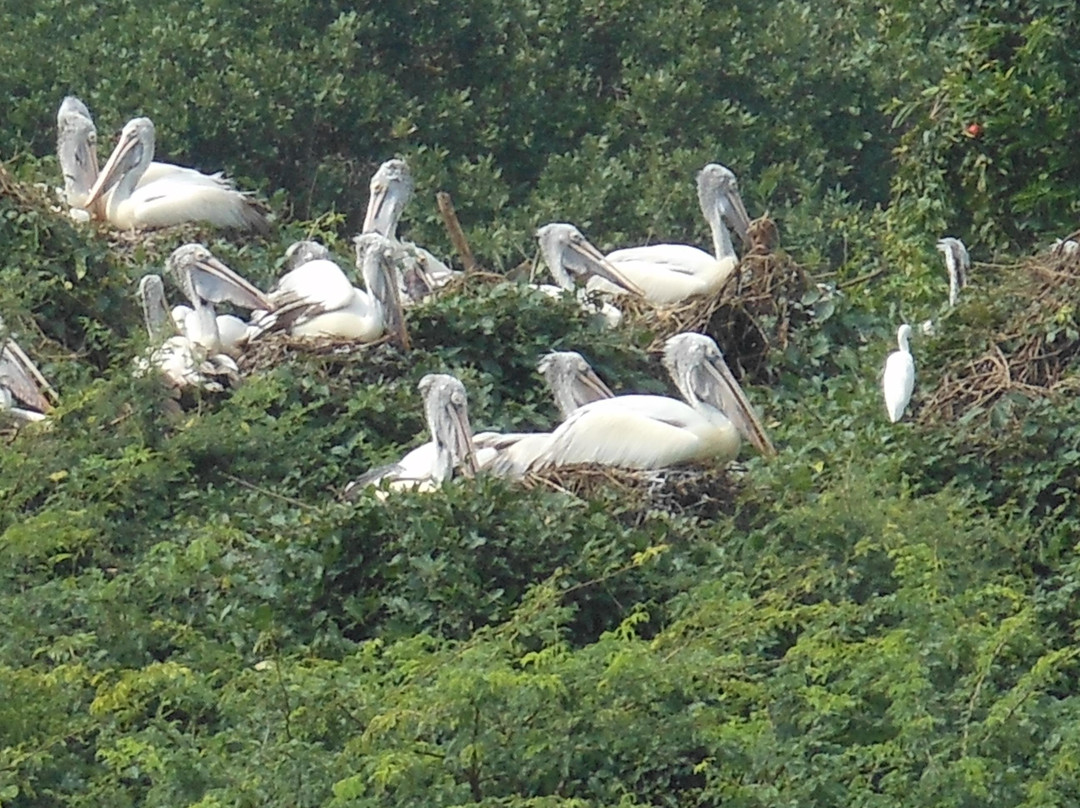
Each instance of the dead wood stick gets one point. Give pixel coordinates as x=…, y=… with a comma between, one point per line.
x=453, y=227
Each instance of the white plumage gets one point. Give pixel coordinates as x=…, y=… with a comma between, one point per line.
x=899, y=378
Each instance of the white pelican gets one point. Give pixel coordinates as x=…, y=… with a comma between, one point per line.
x=569, y=255
x=573, y=383
x=671, y=273
x=173, y=198
x=957, y=262
x=899, y=378
x=317, y=299
x=429, y=465
x=204, y=281
x=181, y=361
x=420, y=272
x=21, y=381
x=652, y=432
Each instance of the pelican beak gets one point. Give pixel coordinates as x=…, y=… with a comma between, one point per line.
x=27, y=366
x=582, y=258
x=378, y=216
x=238, y=291
x=590, y=381
x=125, y=156
x=727, y=395
x=386, y=292
x=464, y=450
x=734, y=212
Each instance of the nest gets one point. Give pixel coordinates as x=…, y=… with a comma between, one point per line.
x=1030, y=350
x=276, y=349
x=751, y=315
x=697, y=493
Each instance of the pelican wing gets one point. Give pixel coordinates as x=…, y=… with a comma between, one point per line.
x=17, y=374
x=643, y=432
x=174, y=200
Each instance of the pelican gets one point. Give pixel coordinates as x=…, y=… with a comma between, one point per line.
x=420, y=272
x=21, y=381
x=174, y=198
x=428, y=466
x=317, y=299
x=671, y=273
x=653, y=432
x=76, y=149
x=181, y=361
x=204, y=281
x=899, y=378
x=957, y=262
x=573, y=383
x=569, y=255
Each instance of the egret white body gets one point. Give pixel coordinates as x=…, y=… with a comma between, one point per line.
x=174, y=197
x=899, y=379
x=671, y=273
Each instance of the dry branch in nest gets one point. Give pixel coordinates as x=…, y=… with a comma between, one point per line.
x=1029, y=353
x=276, y=349
x=753, y=313
x=699, y=493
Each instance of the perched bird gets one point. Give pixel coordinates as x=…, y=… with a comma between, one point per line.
x=22, y=382
x=899, y=378
x=652, y=432
x=672, y=273
x=316, y=299
x=451, y=448
x=205, y=280
x=175, y=197
x=957, y=262
x=570, y=256
x=573, y=383
x=419, y=272
x=181, y=361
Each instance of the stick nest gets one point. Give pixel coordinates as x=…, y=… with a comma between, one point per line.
x=1035, y=339
x=754, y=312
x=698, y=493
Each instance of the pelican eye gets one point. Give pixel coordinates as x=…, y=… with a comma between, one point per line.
x=458, y=398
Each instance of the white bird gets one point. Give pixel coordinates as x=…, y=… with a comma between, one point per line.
x=573, y=384
x=317, y=299
x=171, y=199
x=419, y=272
x=429, y=465
x=957, y=262
x=899, y=378
x=21, y=381
x=653, y=432
x=181, y=361
x=672, y=273
x=569, y=255
x=205, y=281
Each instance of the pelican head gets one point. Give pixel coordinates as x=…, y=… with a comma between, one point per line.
x=20, y=376
x=572, y=381
x=133, y=154
x=76, y=149
x=300, y=252
x=375, y=255
x=718, y=195
x=957, y=262
x=391, y=189
x=446, y=407
x=568, y=253
x=205, y=279
x=156, y=314
x=699, y=371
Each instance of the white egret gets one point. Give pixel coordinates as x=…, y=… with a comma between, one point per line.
x=171, y=199
x=429, y=465
x=899, y=378
x=672, y=273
